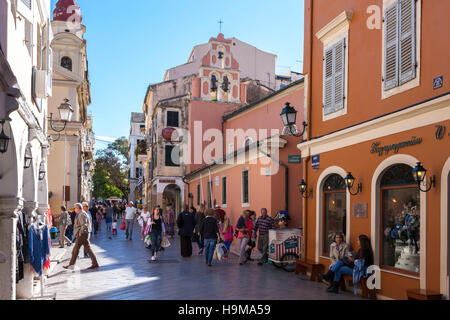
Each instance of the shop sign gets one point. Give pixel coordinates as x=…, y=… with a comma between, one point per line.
x=440, y=132
x=217, y=181
x=376, y=148
x=438, y=82
x=315, y=163
x=360, y=210
x=294, y=159
x=168, y=181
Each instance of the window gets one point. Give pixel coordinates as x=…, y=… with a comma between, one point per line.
x=198, y=194
x=399, y=44
x=400, y=249
x=172, y=156
x=334, y=77
x=66, y=63
x=172, y=119
x=335, y=213
x=245, y=195
x=27, y=3
x=213, y=83
x=224, y=190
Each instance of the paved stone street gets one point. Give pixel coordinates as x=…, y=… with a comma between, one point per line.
x=127, y=274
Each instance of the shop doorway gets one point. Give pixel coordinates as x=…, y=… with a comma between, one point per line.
x=334, y=215
x=172, y=196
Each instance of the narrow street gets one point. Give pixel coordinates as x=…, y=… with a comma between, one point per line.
x=127, y=274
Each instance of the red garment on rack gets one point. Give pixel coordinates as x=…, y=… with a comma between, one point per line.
x=50, y=221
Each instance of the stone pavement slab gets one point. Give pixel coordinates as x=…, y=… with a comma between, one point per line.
x=126, y=273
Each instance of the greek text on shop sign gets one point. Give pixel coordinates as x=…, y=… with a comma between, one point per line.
x=396, y=146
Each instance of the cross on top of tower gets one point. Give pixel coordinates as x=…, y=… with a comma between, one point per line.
x=220, y=23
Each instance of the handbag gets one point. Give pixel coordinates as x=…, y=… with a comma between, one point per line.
x=347, y=262
x=195, y=238
x=123, y=226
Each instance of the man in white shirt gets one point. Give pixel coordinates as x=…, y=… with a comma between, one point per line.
x=130, y=216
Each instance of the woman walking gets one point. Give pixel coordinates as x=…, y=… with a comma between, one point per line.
x=170, y=221
x=210, y=232
x=227, y=232
x=145, y=215
x=157, y=231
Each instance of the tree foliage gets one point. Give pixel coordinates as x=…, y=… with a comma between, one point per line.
x=111, y=171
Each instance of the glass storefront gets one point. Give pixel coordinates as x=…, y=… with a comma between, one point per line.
x=400, y=219
x=334, y=194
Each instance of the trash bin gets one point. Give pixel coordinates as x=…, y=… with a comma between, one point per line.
x=53, y=233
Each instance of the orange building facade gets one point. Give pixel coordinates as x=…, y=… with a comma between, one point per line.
x=377, y=102
x=256, y=171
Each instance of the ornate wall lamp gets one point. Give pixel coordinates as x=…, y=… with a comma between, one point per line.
x=289, y=117
x=349, y=182
x=28, y=159
x=303, y=186
x=419, y=173
x=65, y=114
x=42, y=171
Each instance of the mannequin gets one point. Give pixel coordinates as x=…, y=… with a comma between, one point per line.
x=412, y=222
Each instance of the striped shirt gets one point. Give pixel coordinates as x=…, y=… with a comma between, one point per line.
x=264, y=225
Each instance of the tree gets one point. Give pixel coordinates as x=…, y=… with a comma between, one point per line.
x=111, y=171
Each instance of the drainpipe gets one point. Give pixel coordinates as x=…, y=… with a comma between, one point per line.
x=286, y=180
x=189, y=190
x=309, y=108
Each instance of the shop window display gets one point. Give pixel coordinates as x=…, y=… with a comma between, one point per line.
x=334, y=210
x=400, y=220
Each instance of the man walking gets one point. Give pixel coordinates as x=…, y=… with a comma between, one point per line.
x=64, y=222
x=263, y=225
x=186, y=225
x=130, y=216
x=82, y=228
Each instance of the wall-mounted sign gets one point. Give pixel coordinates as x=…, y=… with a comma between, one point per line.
x=438, y=83
x=395, y=147
x=167, y=181
x=294, y=159
x=360, y=210
x=315, y=163
x=217, y=181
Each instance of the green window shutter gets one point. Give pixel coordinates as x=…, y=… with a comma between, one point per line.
x=391, y=47
x=339, y=75
x=407, y=43
x=328, y=101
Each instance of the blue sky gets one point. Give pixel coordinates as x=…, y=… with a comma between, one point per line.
x=132, y=43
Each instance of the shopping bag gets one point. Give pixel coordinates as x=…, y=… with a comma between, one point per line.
x=123, y=226
x=147, y=228
x=165, y=243
x=220, y=252
x=141, y=221
x=148, y=240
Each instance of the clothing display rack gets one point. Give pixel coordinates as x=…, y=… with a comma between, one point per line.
x=39, y=223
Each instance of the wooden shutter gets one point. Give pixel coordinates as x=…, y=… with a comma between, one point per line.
x=339, y=75
x=391, y=48
x=328, y=94
x=407, y=43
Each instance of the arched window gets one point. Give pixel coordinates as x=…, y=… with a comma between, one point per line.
x=226, y=84
x=334, y=210
x=66, y=62
x=247, y=142
x=400, y=220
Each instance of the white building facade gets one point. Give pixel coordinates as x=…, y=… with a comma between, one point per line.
x=137, y=155
x=25, y=85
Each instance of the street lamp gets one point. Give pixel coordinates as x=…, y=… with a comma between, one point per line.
x=87, y=165
x=303, y=186
x=4, y=139
x=65, y=114
x=28, y=159
x=41, y=171
x=419, y=173
x=289, y=118
x=349, y=182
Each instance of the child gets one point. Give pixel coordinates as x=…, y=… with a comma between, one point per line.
x=114, y=228
x=227, y=232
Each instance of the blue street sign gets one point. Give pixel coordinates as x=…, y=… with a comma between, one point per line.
x=438, y=82
x=315, y=161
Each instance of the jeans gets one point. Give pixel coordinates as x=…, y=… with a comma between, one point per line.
x=210, y=246
x=156, y=237
x=228, y=245
x=242, y=249
x=201, y=242
x=340, y=269
x=129, y=230
x=69, y=232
